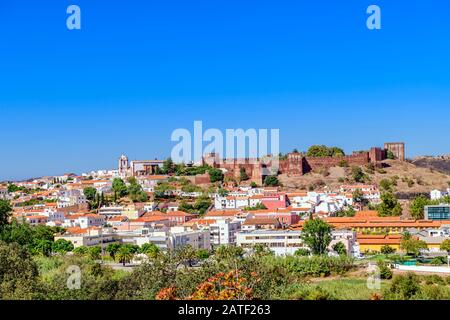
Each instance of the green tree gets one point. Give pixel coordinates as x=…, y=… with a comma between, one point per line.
x=90, y=193
x=389, y=205
x=359, y=198
x=202, y=254
x=225, y=252
x=445, y=245
x=386, y=249
x=112, y=249
x=222, y=192
x=215, y=175
x=202, y=203
x=19, y=277
x=417, y=207
x=150, y=250
x=243, y=174
x=302, y=252
x=403, y=287
x=386, y=185
x=81, y=251
x=119, y=187
x=62, y=246
x=5, y=213
x=411, y=245
x=95, y=252
x=135, y=192
x=42, y=247
x=318, y=151
x=271, y=181
x=340, y=249
x=168, y=166
x=390, y=155
x=316, y=234
x=358, y=174
x=124, y=255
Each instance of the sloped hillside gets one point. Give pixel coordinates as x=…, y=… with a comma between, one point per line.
x=440, y=163
x=409, y=177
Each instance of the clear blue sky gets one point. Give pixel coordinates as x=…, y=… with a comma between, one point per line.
x=72, y=101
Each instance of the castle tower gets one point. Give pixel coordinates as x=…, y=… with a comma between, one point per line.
x=397, y=148
x=123, y=165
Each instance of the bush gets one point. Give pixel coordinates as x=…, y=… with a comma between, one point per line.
x=386, y=249
x=403, y=287
x=385, y=270
x=438, y=261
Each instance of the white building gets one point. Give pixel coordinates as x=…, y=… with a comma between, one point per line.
x=91, y=220
x=181, y=236
x=70, y=198
x=437, y=194
x=3, y=193
x=281, y=242
x=223, y=232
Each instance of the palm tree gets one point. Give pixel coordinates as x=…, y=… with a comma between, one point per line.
x=124, y=255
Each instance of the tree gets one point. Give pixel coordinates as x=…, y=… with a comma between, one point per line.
x=62, y=246
x=271, y=181
x=389, y=205
x=358, y=174
x=390, y=155
x=386, y=185
x=95, y=252
x=202, y=203
x=19, y=276
x=243, y=174
x=318, y=151
x=261, y=250
x=316, y=234
x=386, y=249
x=417, y=207
x=222, y=192
x=202, y=254
x=124, y=255
x=42, y=247
x=150, y=249
x=135, y=192
x=119, y=187
x=340, y=248
x=445, y=245
x=215, y=175
x=81, y=251
x=224, y=252
x=168, y=166
x=412, y=246
x=359, y=198
x=90, y=193
x=253, y=184
x=385, y=270
x=302, y=252
x=112, y=249
x=5, y=213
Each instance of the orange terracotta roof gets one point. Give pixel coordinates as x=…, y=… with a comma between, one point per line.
x=222, y=213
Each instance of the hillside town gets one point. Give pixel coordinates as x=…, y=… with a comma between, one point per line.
x=208, y=205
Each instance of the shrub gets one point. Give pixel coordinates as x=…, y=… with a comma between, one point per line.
x=403, y=287
x=385, y=270
x=386, y=249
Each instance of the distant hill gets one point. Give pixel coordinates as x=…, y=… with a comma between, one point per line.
x=411, y=179
x=439, y=163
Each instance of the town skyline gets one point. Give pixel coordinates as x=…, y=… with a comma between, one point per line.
x=73, y=100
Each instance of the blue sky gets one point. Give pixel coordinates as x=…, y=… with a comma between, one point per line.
x=75, y=100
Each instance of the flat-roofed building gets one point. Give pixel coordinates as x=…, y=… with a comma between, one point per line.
x=437, y=212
